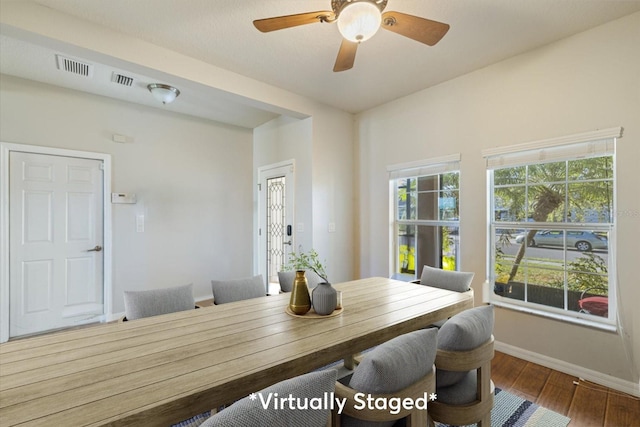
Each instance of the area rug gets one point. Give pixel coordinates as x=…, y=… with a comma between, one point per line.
x=509, y=410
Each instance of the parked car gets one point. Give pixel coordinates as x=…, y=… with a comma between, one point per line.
x=581, y=240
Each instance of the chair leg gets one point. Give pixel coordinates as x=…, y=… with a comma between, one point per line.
x=485, y=421
x=430, y=422
x=416, y=418
x=334, y=419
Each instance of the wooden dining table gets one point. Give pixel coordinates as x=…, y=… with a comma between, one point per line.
x=164, y=369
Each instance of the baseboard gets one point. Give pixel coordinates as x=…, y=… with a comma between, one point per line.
x=570, y=369
x=114, y=316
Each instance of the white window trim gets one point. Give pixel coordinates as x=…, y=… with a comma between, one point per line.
x=513, y=151
x=615, y=132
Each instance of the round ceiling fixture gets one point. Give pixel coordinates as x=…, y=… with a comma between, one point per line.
x=163, y=93
x=359, y=21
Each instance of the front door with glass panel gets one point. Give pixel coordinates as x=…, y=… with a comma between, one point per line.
x=276, y=219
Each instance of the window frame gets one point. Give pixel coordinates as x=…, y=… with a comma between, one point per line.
x=574, y=147
x=428, y=167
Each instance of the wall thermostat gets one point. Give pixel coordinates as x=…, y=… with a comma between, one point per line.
x=123, y=198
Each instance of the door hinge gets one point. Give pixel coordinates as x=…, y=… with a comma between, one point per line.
x=259, y=187
x=259, y=231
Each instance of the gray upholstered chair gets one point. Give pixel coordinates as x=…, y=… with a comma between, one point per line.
x=139, y=304
x=247, y=412
x=399, y=368
x=457, y=281
x=463, y=370
x=225, y=291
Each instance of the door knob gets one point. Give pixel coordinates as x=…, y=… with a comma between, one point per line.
x=96, y=249
x=287, y=243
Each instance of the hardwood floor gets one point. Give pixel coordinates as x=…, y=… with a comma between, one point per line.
x=587, y=404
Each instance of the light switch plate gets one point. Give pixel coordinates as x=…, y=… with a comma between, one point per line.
x=140, y=223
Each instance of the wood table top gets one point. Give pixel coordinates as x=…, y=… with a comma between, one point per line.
x=164, y=369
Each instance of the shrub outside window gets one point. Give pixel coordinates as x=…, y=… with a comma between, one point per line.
x=552, y=230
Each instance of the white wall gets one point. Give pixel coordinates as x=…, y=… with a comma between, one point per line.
x=287, y=138
x=334, y=192
x=586, y=82
x=331, y=143
x=322, y=147
x=192, y=178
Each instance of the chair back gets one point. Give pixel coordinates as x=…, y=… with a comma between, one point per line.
x=250, y=412
x=398, y=369
x=140, y=304
x=418, y=392
x=478, y=409
x=458, y=281
x=225, y=291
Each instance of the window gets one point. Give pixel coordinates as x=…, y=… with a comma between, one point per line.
x=426, y=206
x=552, y=227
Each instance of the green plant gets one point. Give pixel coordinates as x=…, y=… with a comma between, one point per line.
x=307, y=261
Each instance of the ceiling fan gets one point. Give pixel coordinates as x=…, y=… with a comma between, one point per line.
x=359, y=20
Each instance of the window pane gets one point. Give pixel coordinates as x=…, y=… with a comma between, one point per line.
x=588, y=281
x=428, y=183
x=595, y=168
x=590, y=201
x=510, y=176
x=509, y=203
x=448, y=205
x=437, y=247
x=406, y=254
x=450, y=248
x=406, y=199
x=546, y=203
x=450, y=181
x=428, y=205
x=547, y=173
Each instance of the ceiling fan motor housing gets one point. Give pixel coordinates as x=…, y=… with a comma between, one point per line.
x=338, y=5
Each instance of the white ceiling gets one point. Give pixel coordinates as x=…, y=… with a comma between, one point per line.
x=300, y=59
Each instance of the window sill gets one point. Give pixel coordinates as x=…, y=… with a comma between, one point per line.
x=500, y=302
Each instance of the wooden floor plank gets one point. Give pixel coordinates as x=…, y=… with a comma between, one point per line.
x=505, y=370
x=622, y=410
x=557, y=392
x=588, y=407
x=532, y=380
x=586, y=403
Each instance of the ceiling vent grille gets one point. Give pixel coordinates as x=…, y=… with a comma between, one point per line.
x=121, y=79
x=74, y=66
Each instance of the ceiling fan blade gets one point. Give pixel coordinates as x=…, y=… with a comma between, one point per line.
x=419, y=29
x=346, y=56
x=288, y=21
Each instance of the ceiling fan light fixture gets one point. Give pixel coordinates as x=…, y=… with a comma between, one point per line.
x=359, y=21
x=163, y=93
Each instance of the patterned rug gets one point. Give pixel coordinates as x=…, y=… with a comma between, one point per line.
x=509, y=410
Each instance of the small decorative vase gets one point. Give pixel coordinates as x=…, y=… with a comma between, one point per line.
x=300, y=302
x=325, y=299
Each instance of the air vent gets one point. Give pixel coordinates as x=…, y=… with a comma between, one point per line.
x=74, y=66
x=121, y=79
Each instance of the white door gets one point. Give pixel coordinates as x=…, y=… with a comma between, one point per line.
x=55, y=242
x=276, y=209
